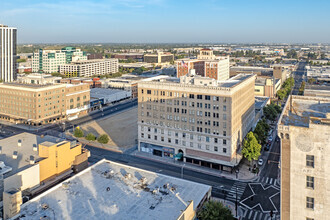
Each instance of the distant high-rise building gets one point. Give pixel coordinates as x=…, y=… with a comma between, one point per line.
x=48, y=61
x=206, y=64
x=8, y=36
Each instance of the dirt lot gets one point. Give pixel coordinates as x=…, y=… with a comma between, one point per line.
x=121, y=128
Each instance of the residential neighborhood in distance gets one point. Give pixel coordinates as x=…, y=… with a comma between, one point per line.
x=161, y=110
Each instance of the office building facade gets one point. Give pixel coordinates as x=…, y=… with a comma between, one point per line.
x=304, y=130
x=159, y=58
x=8, y=41
x=48, y=61
x=198, y=120
x=89, y=68
x=40, y=104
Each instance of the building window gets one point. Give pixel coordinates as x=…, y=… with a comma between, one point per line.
x=207, y=147
x=155, y=138
x=310, y=182
x=224, y=141
x=309, y=202
x=224, y=150
x=162, y=138
x=191, y=144
x=176, y=141
x=310, y=161
x=215, y=148
x=142, y=135
x=148, y=92
x=199, y=146
x=207, y=139
x=149, y=136
x=224, y=133
x=215, y=140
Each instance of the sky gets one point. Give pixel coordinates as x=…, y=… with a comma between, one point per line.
x=168, y=21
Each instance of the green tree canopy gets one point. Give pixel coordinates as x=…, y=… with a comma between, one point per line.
x=103, y=139
x=261, y=131
x=213, y=210
x=78, y=133
x=251, y=147
x=270, y=112
x=90, y=137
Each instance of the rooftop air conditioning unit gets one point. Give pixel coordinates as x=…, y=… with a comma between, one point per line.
x=35, y=148
x=15, y=153
x=19, y=143
x=32, y=159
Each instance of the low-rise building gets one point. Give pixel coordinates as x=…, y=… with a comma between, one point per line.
x=159, y=58
x=304, y=130
x=125, y=56
x=87, y=68
x=109, y=190
x=260, y=71
x=38, y=78
x=110, y=95
x=30, y=164
x=196, y=119
x=317, y=90
x=267, y=86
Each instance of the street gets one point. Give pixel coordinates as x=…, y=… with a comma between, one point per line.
x=298, y=77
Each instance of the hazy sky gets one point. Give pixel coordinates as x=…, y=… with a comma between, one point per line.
x=168, y=21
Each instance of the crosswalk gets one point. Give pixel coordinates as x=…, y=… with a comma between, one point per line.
x=240, y=187
x=269, y=181
x=256, y=215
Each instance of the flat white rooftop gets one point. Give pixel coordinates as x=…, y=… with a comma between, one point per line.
x=109, y=190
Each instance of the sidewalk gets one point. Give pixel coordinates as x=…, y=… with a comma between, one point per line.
x=244, y=174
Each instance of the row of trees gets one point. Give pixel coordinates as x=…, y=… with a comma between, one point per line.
x=103, y=139
x=286, y=89
x=254, y=140
x=302, y=88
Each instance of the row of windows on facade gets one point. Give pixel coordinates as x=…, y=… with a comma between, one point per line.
x=310, y=182
x=185, y=95
x=183, y=111
x=185, y=119
x=184, y=143
x=185, y=135
x=78, y=98
x=179, y=126
x=20, y=94
x=183, y=103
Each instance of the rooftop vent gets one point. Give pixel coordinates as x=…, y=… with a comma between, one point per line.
x=0, y=150
x=15, y=153
x=143, y=180
x=32, y=159
x=35, y=148
x=128, y=176
x=19, y=143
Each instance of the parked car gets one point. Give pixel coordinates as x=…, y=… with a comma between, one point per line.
x=267, y=147
x=260, y=162
x=270, y=132
x=270, y=139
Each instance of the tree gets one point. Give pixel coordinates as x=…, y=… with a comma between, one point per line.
x=270, y=112
x=103, y=139
x=311, y=80
x=261, y=131
x=90, y=137
x=213, y=210
x=78, y=133
x=251, y=147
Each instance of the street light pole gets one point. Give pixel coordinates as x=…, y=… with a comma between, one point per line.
x=182, y=171
x=236, y=191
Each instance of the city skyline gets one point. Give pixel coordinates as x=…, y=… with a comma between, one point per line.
x=166, y=21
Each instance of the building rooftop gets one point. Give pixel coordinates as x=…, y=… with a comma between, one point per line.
x=30, y=86
x=302, y=110
x=23, y=146
x=109, y=190
x=260, y=102
x=100, y=92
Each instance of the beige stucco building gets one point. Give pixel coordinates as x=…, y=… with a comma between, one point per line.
x=264, y=86
x=304, y=129
x=40, y=104
x=197, y=119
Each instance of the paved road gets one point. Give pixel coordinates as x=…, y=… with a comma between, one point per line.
x=58, y=128
x=298, y=76
x=222, y=187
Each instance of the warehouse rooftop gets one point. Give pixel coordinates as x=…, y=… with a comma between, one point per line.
x=109, y=190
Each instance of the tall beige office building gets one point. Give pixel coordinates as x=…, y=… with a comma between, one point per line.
x=304, y=129
x=196, y=119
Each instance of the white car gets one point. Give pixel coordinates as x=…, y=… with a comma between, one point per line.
x=260, y=162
